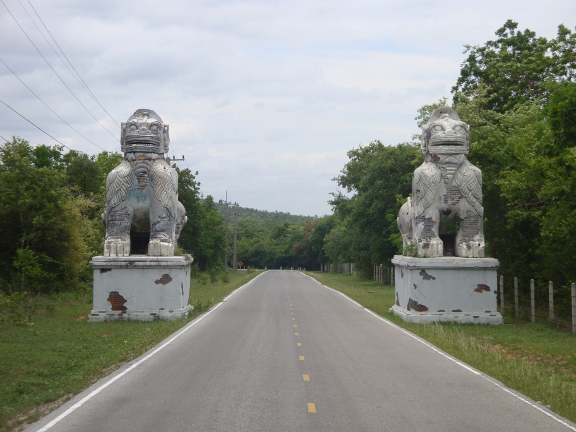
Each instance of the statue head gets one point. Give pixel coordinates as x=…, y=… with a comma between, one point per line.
x=445, y=133
x=144, y=132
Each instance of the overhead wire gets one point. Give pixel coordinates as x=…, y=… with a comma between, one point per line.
x=53, y=112
x=56, y=73
x=39, y=128
x=79, y=79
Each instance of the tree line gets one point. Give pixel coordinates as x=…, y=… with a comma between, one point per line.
x=517, y=92
x=50, y=217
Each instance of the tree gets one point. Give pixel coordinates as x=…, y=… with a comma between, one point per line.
x=516, y=66
x=45, y=231
x=380, y=176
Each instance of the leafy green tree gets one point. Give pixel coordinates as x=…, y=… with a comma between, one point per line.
x=379, y=176
x=45, y=231
x=210, y=247
x=516, y=66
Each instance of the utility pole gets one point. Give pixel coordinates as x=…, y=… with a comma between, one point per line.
x=173, y=159
x=235, y=218
x=226, y=241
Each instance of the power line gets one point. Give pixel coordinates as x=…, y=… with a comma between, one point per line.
x=53, y=70
x=82, y=83
x=37, y=127
x=37, y=97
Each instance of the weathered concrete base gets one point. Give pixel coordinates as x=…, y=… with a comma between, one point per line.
x=141, y=288
x=447, y=289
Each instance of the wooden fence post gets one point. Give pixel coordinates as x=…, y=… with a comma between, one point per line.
x=532, y=304
x=516, y=295
x=551, y=299
x=501, y=294
x=574, y=308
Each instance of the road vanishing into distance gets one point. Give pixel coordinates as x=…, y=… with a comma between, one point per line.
x=285, y=353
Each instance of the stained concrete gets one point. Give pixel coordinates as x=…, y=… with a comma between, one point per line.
x=461, y=290
x=140, y=288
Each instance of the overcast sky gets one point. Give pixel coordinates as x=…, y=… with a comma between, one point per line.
x=263, y=98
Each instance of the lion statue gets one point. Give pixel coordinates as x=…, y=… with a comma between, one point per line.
x=445, y=216
x=142, y=213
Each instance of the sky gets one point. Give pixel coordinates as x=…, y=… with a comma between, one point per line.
x=264, y=98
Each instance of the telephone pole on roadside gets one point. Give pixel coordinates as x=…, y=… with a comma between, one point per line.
x=226, y=238
x=235, y=224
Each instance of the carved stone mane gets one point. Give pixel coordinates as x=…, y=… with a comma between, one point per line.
x=142, y=212
x=445, y=215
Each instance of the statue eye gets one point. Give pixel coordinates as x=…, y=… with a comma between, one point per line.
x=437, y=128
x=132, y=127
x=458, y=128
x=154, y=128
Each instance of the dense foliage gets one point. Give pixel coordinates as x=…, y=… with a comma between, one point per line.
x=247, y=212
x=50, y=207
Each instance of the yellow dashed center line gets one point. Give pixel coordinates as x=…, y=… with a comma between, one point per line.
x=295, y=325
x=298, y=344
x=311, y=408
x=291, y=313
x=293, y=319
x=306, y=377
x=301, y=358
x=296, y=334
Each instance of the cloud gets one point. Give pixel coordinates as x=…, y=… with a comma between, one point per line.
x=264, y=98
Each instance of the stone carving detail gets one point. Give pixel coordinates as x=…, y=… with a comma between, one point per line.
x=142, y=212
x=445, y=214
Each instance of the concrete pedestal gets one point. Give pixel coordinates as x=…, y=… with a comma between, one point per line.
x=461, y=290
x=141, y=288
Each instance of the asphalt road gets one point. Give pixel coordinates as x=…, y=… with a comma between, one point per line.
x=285, y=353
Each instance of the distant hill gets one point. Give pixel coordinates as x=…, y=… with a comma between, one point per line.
x=250, y=213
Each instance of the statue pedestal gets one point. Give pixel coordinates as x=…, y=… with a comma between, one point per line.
x=140, y=288
x=447, y=289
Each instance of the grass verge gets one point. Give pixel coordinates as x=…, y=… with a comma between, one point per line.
x=535, y=359
x=46, y=362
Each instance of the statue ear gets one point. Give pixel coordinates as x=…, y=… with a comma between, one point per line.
x=166, y=138
x=425, y=138
x=122, y=135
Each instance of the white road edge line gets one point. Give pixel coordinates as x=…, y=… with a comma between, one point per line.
x=139, y=362
x=458, y=362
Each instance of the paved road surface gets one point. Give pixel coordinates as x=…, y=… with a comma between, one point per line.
x=285, y=353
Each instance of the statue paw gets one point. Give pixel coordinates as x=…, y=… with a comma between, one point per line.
x=431, y=249
x=160, y=248
x=470, y=249
x=117, y=248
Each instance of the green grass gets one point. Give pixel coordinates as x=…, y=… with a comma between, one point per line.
x=46, y=362
x=535, y=359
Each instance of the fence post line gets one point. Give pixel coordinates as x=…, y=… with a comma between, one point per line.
x=532, y=304
x=516, y=296
x=574, y=308
x=551, y=299
x=501, y=294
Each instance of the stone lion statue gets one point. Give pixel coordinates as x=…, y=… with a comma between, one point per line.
x=142, y=213
x=445, y=216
